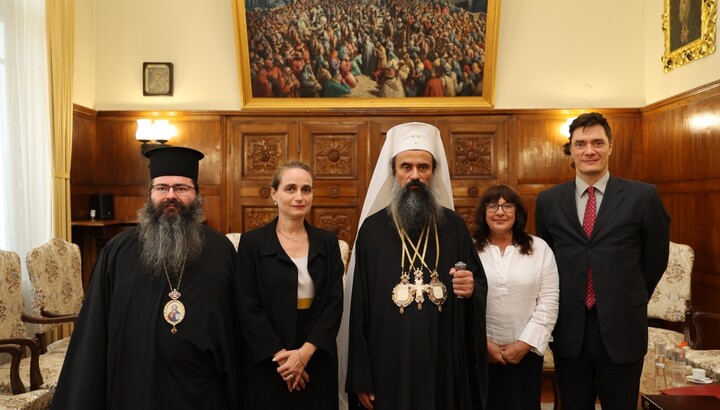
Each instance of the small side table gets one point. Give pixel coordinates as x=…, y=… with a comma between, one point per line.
x=91, y=236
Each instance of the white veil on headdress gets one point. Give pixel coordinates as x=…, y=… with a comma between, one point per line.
x=403, y=137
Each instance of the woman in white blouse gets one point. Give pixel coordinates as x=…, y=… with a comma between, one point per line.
x=522, y=301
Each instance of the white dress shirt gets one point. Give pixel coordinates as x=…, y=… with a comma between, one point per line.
x=523, y=293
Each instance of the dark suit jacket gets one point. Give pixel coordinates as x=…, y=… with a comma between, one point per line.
x=267, y=282
x=628, y=253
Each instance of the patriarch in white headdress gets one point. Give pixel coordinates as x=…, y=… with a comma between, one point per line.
x=382, y=191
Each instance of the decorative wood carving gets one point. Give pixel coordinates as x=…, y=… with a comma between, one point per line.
x=264, y=154
x=338, y=220
x=473, y=156
x=467, y=213
x=334, y=155
x=256, y=217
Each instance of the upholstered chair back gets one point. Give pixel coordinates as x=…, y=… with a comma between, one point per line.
x=11, y=297
x=671, y=298
x=55, y=280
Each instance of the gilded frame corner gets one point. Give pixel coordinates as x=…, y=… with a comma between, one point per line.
x=688, y=41
x=247, y=102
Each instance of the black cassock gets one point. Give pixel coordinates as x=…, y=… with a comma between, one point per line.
x=422, y=359
x=122, y=354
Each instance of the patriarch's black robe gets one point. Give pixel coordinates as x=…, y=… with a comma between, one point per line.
x=422, y=359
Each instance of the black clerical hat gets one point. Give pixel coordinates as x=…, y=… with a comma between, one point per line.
x=175, y=161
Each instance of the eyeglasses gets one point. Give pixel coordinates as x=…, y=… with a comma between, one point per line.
x=507, y=207
x=180, y=189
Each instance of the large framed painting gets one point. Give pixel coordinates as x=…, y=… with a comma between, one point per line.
x=404, y=54
x=689, y=29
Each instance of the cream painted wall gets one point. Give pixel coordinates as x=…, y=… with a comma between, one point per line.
x=547, y=58
x=197, y=36
x=84, y=64
x=550, y=58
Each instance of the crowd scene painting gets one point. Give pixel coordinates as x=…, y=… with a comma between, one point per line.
x=365, y=49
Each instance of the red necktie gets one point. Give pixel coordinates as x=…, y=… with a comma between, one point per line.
x=588, y=223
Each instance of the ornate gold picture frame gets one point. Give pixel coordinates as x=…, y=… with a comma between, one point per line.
x=294, y=24
x=689, y=28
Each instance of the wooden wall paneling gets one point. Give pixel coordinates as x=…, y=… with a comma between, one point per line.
x=681, y=141
x=337, y=151
x=255, y=149
x=628, y=157
x=477, y=153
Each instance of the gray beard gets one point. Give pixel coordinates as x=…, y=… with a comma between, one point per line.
x=170, y=243
x=415, y=209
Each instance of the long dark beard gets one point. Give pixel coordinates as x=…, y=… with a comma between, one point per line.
x=415, y=209
x=170, y=242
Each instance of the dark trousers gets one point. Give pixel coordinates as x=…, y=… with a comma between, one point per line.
x=515, y=387
x=593, y=374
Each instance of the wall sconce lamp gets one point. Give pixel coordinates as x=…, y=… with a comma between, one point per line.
x=153, y=134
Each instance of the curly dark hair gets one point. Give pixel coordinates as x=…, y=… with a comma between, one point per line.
x=481, y=230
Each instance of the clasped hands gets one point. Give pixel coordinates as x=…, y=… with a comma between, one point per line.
x=511, y=353
x=292, y=366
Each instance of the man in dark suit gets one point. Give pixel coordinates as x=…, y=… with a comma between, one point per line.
x=610, y=237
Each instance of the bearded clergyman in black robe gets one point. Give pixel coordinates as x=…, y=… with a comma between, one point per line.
x=156, y=330
x=417, y=336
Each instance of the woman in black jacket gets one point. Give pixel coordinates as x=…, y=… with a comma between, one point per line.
x=290, y=297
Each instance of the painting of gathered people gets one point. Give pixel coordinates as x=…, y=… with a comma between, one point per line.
x=366, y=48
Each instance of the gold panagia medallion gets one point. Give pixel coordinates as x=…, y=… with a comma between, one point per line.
x=174, y=313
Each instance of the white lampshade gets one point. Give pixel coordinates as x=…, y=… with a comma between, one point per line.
x=144, y=131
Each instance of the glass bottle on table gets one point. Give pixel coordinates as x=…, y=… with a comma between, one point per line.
x=660, y=382
x=675, y=365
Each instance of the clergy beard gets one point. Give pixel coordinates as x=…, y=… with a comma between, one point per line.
x=415, y=208
x=170, y=242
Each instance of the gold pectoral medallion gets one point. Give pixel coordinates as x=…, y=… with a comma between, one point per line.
x=436, y=290
x=174, y=311
x=402, y=293
x=405, y=292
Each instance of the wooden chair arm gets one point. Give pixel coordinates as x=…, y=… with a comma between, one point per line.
x=35, y=376
x=68, y=316
x=49, y=319
x=697, y=317
x=16, y=384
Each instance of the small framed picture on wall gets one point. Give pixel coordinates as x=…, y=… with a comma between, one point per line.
x=157, y=79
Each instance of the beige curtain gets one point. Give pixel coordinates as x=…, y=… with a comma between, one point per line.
x=61, y=39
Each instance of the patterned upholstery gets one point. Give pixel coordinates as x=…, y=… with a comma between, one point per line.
x=13, y=327
x=705, y=359
x=34, y=400
x=11, y=297
x=669, y=302
x=55, y=280
x=672, y=295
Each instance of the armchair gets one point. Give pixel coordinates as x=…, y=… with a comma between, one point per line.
x=14, y=342
x=56, y=289
x=668, y=309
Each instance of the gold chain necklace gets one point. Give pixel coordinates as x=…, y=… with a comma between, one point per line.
x=174, y=310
